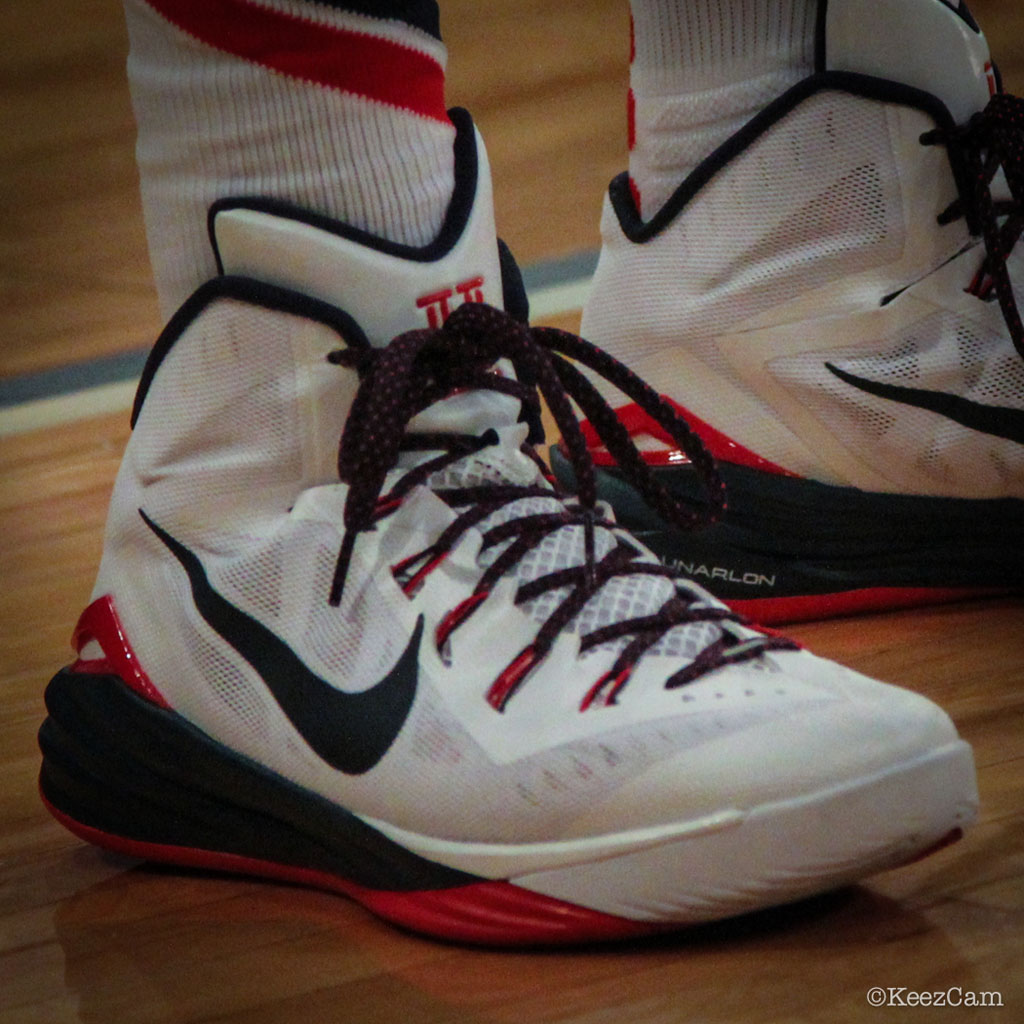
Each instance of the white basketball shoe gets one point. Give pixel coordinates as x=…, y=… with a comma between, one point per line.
x=347, y=633
x=827, y=300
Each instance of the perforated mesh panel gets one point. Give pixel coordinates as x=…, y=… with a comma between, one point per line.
x=220, y=427
x=942, y=354
x=813, y=200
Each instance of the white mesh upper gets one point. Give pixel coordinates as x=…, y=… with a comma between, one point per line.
x=623, y=597
x=815, y=199
x=820, y=243
x=943, y=353
x=212, y=462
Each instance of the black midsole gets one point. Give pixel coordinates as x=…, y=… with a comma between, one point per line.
x=786, y=536
x=117, y=763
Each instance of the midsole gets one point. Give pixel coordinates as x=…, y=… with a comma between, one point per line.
x=785, y=849
x=165, y=782
x=783, y=536
x=511, y=861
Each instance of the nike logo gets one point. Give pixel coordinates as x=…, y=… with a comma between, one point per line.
x=350, y=731
x=996, y=420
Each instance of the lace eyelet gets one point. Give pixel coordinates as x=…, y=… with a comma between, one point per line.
x=457, y=616
x=508, y=682
x=607, y=687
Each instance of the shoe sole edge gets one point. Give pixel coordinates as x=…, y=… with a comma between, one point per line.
x=143, y=807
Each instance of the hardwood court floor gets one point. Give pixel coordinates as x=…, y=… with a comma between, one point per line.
x=85, y=936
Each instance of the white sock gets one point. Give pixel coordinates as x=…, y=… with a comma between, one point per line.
x=700, y=69
x=341, y=112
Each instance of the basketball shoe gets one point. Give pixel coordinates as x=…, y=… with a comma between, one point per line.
x=347, y=633
x=827, y=299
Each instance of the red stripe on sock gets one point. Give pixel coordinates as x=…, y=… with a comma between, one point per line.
x=365, y=65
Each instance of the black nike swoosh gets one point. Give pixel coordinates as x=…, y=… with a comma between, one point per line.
x=997, y=420
x=350, y=731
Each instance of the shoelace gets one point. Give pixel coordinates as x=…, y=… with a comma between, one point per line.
x=992, y=140
x=420, y=368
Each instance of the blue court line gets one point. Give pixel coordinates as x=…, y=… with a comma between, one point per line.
x=574, y=267
x=127, y=366
x=72, y=377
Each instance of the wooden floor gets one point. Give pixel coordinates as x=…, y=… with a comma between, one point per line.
x=89, y=937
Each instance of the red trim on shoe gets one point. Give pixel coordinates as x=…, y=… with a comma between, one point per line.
x=457, y=616
x=638, y=423
x=511, y=676
x=413, y=584
x=775, y=611
x=353, y=62
x=606, y=688
x=101, y=623
x=485, y=913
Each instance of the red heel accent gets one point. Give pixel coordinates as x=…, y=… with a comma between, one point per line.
x=638, y=423
x=101, y=623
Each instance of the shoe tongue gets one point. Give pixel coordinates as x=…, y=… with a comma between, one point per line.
x=932, y=45
x=387, y=288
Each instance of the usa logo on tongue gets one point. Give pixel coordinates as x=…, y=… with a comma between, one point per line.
x=439, y=304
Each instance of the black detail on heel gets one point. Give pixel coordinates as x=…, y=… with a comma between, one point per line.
x=116, y=763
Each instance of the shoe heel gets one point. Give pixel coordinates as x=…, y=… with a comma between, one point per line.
x=129, y=775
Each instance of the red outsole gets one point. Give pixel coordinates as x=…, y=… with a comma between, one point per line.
x=778, y=611
x=492, y=913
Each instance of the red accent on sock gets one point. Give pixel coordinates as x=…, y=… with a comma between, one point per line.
x=496, y=913
x=101, y=623
x=379, y=69
x=776, y=611
x=637, y=422
x=631, y=128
